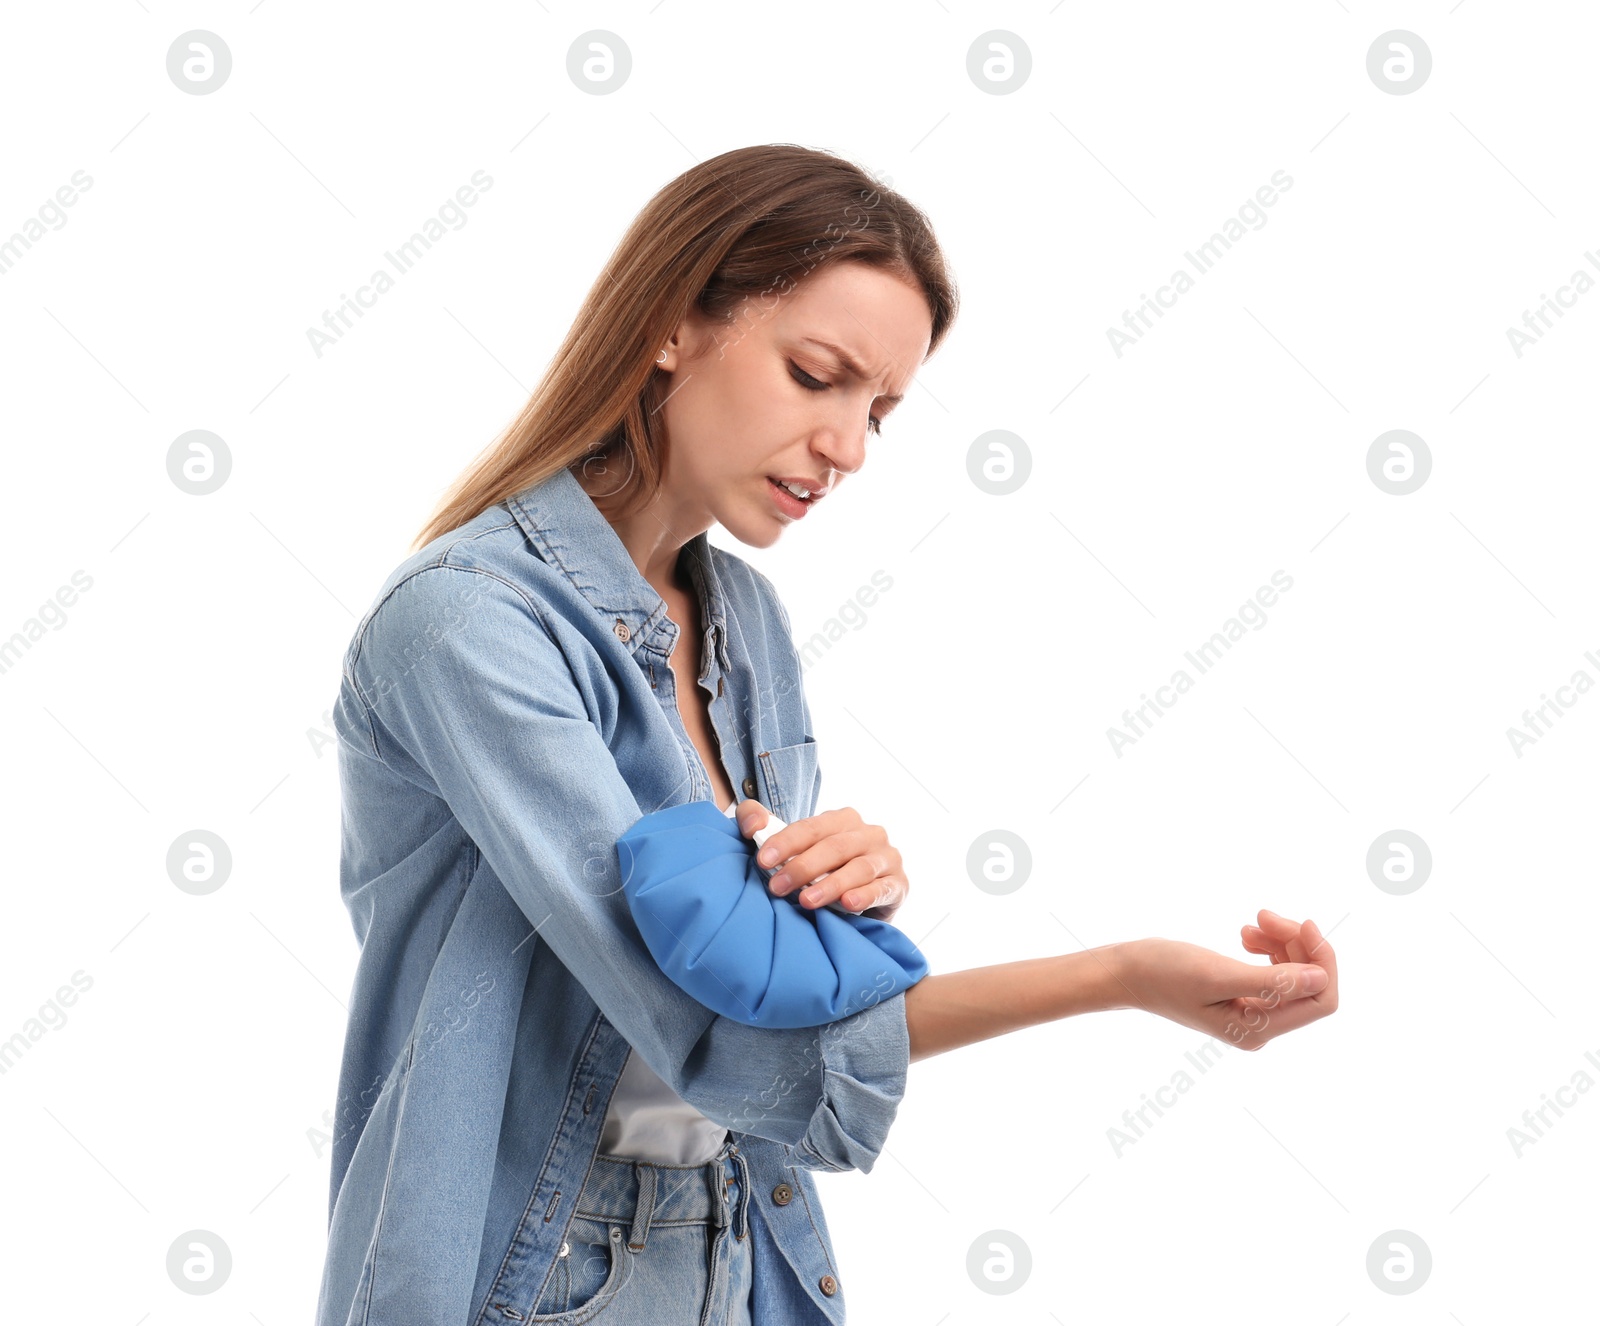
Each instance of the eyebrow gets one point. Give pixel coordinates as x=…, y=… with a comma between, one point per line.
x=850, y=363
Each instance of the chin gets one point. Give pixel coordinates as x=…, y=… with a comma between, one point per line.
x=754, y=529
x=755, y=533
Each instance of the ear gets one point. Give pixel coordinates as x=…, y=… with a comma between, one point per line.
x=693, y=339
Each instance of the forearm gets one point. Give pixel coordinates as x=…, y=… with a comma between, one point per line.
x=945, y=1010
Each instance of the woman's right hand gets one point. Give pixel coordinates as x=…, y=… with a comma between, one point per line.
x=842, y=859
x=1239, y=1002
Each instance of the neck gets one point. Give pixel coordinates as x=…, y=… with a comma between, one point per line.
x=654, y=535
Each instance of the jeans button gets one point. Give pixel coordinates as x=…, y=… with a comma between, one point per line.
x=783, y=1194
x=828, y=1285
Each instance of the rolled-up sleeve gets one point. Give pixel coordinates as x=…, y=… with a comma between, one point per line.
x=864, y=1060
x=466, y=693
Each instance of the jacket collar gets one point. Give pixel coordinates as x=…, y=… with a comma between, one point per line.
x=568, y=531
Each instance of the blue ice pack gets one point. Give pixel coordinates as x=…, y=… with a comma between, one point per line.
x=702, y=904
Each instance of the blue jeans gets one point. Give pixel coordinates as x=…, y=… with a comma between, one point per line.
x=656, y=1245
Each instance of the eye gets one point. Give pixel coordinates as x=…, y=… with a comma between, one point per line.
x=805, y=379
x=812, y=384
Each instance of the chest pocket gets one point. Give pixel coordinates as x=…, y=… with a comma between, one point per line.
x=793, y=779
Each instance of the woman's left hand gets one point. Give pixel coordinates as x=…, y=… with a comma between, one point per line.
x=831, y=856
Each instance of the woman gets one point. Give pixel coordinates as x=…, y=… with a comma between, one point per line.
x=534, y=1123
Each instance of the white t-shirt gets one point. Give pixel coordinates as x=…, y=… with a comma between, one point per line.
x=648, y=1120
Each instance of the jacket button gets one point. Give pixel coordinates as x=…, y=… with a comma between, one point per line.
x=749, y=787
x=783, y=1194
x=828, y=1285
x=621, y=628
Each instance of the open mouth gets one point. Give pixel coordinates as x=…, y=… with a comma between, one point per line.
x=790, y=493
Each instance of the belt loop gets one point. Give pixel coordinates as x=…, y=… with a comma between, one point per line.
x=742, y=1220
x=717, y=1179
x=646, y=1175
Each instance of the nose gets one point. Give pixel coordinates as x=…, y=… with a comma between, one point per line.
x=843, y=454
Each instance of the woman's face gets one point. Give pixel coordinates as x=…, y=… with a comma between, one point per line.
x=762, y=398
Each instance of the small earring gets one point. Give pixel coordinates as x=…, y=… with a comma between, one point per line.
x=662, y=357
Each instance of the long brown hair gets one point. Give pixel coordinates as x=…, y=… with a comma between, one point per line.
x=749, y=224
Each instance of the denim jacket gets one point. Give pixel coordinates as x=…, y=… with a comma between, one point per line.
x=506, y=711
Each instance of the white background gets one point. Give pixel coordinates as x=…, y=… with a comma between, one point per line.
x=187, y=688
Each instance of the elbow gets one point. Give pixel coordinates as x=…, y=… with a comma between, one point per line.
x=863, y=1061
x=849, y=1136
x=829, y=1092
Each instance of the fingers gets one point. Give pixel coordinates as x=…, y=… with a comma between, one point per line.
x=808, y=861
x=1322, y=954
x=1280, y=999
x=751, y=815
x=1269, y=986
x=1279, y=938
x=1256, y=940
x=1301, y=986
x=1264, y=1024
x=1279, y=928
x=830, y=886
x=799, y=835
x=1291, y=941
x=879, y=898
x=856, y=885
x=1288, y=933
x=1318, y=950
x=833, y=857
x=1303, y=979
x=885, y=912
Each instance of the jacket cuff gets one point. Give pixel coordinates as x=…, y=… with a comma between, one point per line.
x=864, y=1062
